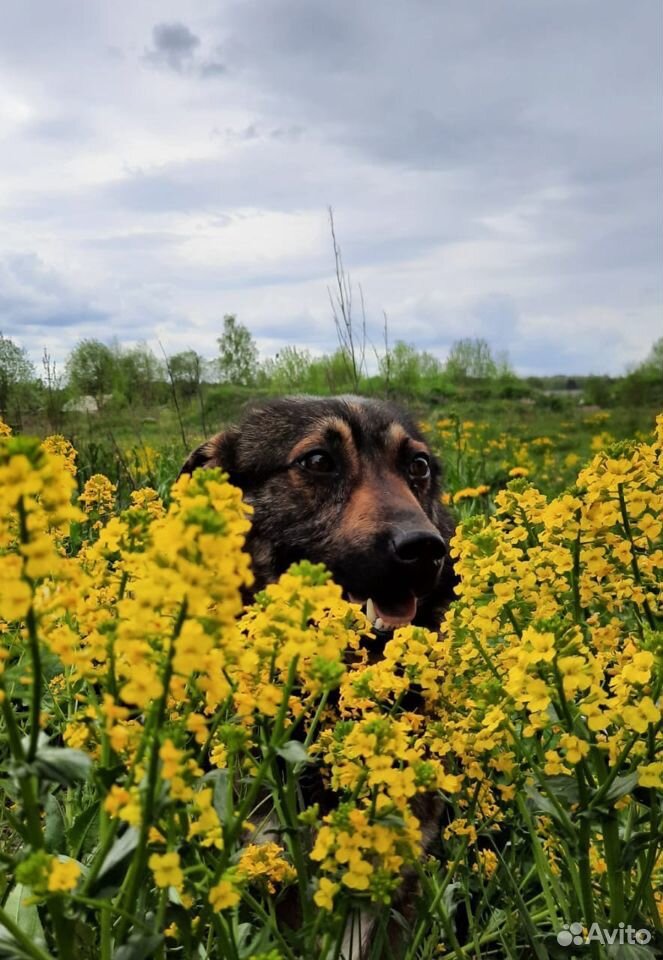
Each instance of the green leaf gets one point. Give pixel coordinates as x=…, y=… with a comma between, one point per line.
x=107, y=776
x=563, y=788
x=451, y=898
x=77, y=833
x=294, y=752
x=24, y=915
x=9, y=949
x=138, y=947
x=636, y=845
x=621, y=786
x=55, y=826
x=628, y=951
x=62, y=765
x=123, y=847
x=219, y=779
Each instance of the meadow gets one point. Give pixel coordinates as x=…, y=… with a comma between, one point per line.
x=151, y=724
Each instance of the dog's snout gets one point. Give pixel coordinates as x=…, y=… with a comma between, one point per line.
x=419, y=546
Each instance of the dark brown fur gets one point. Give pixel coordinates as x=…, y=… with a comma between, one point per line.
x=347, y=521
x=380, y=531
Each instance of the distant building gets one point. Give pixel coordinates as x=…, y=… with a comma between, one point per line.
x=81, y=405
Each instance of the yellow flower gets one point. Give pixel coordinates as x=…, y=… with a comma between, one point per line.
x=639, y=716
x=16, y=595
x=207, y=825
x=224, y=895
x=265, y=862
x=574, y=748
x=63, y=875
x=143, y=687
x=538, y=646
x=166, y=869
x=487, y=862
x=651, y=775
x=98, y=495
x=117, y=797
x=324, y=895
x=639, y=669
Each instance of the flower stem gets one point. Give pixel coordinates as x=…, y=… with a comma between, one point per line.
x=137, y=868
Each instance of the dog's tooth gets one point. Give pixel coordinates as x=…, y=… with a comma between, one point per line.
x=370, y=610
x=379, y=624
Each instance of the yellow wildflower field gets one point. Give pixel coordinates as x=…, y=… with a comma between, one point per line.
x=158, y=736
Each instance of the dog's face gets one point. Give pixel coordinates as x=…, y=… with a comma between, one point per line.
x=350, y=483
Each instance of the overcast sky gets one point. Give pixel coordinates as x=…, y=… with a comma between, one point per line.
x=493, y=166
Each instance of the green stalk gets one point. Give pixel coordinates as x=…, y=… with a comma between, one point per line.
x=316, y=719
x=137, y=868
x=232, y=830
x=615, y=871
x=26, y=786
x=439, y=893
x=584, y=838
x=31, y=624
x=547, y=880
x=105, y=932
x=487, y=937
x=647, y=867
x=575, y=577
x=614, y=773
x=101, y=905
x=35, y=704
x=100, y=856
x=27, y=943
x=651, y=619
x=294, y=844
x=258, y=909
x=445, y=920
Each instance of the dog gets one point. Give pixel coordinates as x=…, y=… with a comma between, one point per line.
x=349, y=482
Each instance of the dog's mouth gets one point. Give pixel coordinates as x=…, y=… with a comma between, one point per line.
x=387, y=616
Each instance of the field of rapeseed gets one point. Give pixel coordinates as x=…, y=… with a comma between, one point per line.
x=157, y=736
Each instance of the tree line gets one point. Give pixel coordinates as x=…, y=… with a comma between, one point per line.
x=115, y=375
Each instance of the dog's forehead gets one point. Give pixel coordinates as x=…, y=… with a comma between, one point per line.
x=289, y=419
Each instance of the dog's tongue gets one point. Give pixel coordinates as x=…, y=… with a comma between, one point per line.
x=398, y=613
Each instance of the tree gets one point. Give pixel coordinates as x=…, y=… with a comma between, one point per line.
x=136, y=372
x=406, y=367
x=644, y=384
x=186, y=370
x=238, y=360
x=186, y=375
x=288, y=370
x=52, y=383
x=90, y=367
x=17, y=374
x=471, y=358
x=654, y=360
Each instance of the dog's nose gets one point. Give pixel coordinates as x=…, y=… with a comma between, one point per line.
x=417, y=547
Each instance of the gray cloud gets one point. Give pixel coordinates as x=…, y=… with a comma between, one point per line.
x=174, y=46
x=35, y=298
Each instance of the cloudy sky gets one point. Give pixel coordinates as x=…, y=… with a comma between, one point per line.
x=493, y=166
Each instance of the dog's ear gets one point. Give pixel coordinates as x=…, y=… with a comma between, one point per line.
x=219, y=451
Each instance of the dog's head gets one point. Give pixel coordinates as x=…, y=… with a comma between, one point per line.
x=350, y=483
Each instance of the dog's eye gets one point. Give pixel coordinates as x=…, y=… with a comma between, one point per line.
x=317, y=461
x=419, y=468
